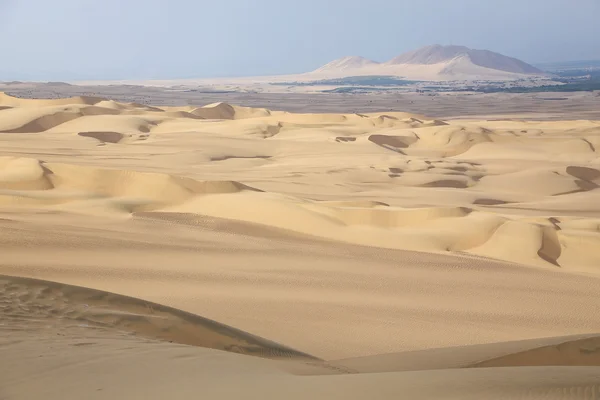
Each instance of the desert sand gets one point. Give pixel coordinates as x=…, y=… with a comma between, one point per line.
x=225, y=251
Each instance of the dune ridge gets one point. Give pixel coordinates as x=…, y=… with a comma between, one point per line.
x=118, y=313
x=389, y=253
x=26, y=182
x=126, y=314
x=118, y=327
x=491, y=172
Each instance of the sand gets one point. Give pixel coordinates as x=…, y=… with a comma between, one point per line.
x=259, y=93
x=164, y=251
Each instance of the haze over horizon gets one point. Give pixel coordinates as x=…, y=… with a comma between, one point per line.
x=73, y=40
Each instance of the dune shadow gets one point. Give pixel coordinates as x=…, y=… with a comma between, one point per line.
x=104, y=137
x=26, y=298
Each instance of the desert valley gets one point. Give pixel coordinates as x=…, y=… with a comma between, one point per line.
x=278, y=237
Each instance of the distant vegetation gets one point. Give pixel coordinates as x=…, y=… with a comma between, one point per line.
x=357, y=89
x=369, y=80
x=569, y=87
x=568, y=80
x=579, y=74
x=573, y=80
x=570, y=65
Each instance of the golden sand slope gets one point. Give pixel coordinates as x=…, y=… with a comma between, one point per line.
x=299, y=229
x=99, y=345
x=329, y=299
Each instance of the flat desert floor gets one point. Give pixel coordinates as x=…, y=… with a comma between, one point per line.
x=457, y=105
x=220, y=251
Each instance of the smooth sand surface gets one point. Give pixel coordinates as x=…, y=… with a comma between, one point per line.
x=338, y=255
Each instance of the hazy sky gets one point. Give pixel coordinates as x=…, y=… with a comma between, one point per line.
x=127, y=39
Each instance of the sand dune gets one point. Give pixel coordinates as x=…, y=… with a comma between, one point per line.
x=100, y=331
x=30, y=182
x=32, y=120
x=105, y=310
x=459, y=167
x=389, y=253
x=7, y=100
x=578, y=350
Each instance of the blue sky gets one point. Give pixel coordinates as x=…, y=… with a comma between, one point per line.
x=144, y=39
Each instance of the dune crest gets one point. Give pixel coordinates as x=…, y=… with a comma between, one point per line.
x=8, y=100
x=31, y=183
x=143, y=318
x=383, y=254
x=475, y=180
x=141, y=343
x=28, y=181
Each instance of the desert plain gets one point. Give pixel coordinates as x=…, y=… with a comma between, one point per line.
x=154, y=251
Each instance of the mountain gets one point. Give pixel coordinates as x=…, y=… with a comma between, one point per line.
x=347, y=63
x=427, y=55
x=436, y=54
x=436, y=62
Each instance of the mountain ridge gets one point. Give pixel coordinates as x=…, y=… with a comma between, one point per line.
x=437, y=60
x=348, y=62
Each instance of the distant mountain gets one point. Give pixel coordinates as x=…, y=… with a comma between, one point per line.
x=346, y=63
x=436, y=54
x=436, y=62
x=428, y=55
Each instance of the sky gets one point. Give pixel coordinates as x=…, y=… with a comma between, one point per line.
x=73, y=40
